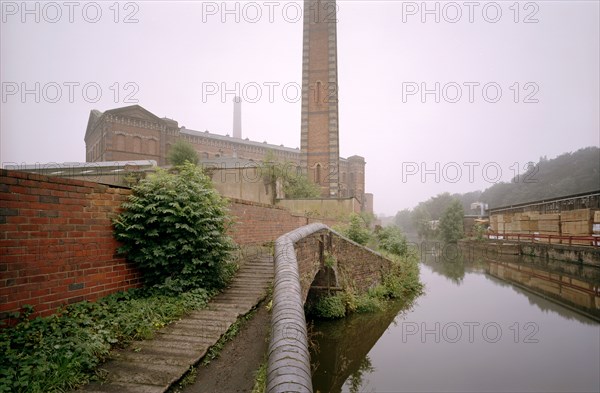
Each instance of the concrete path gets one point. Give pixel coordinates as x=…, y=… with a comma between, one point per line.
x=153, y=365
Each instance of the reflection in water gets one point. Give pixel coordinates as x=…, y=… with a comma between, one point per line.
x=342, y=347
x=493, y=323
x=355, y=380
x=572, y=285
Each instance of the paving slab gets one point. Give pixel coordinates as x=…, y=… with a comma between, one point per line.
x=152, y=366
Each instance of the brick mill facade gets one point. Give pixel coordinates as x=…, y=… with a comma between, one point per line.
x=134, y=133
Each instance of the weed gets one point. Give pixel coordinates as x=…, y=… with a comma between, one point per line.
x=62, y=351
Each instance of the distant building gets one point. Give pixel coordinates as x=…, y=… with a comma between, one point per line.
x=134, y=133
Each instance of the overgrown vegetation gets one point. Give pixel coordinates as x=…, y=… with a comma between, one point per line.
x=297, y=185
x=401, y=282
x=294, y=183
x=174, y=228
x=451, y=223
x=356, y=230
x=260, y=379
x=181, y=152
x=392, y=240
x=61, y=352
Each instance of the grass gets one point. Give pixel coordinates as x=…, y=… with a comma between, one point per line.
x=62, y=351
x=260, y=379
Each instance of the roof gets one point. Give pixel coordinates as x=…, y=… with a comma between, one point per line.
x=75, y=166
x=230, y=139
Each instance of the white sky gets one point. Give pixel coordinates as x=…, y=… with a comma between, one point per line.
x=173, y=49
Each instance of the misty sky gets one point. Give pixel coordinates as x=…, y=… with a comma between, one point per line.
x=388, y=51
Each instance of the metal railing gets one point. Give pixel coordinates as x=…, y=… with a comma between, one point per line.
x=593, y=241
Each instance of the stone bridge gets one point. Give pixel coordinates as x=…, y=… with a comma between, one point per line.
x=312, y=257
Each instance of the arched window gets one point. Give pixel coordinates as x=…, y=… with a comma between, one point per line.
x=152, y=147
x=318, y=174
x=137, y=144
x=120, y=142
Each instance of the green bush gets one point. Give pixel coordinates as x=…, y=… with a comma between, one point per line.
x=174, y=228
x=181, y=152
x=392, y=240
x=451, y=222
x=330, y=307
x=367, y=303
x=357, y=230
x=62, y=351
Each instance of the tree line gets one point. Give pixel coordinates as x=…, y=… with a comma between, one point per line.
x=567, y=174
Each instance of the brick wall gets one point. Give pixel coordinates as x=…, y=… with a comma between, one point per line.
x=358, y=266
x=56, y=242
x=299, y=258
x=257, y=223
x=57, y=245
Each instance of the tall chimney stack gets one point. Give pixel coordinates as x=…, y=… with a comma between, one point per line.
x=237, y=117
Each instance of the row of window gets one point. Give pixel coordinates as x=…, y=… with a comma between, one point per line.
x=136, y=144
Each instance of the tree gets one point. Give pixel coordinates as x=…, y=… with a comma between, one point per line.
x=295, y=184
x=392, y=240
x=298, y=186
x=181, y=152
x=451, y=223
x=423, y=223
x=403, y=221
x=174, y=227
x=357, y=231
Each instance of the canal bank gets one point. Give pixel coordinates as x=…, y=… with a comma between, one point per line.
x=474, y=329
x=562, y=252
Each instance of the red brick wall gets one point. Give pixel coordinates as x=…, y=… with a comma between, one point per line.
x=257, y=223
x=56, y=242
x=57, y=245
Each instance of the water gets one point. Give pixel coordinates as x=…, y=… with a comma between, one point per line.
x=502, y=324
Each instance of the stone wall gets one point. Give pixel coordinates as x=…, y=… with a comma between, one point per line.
x=327, y=208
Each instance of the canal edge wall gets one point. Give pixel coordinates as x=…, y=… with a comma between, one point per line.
x=575, y=254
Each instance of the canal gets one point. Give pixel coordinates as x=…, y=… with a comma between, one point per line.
x=485, y=324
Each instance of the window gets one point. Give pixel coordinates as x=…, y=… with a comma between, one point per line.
x=120, y=142
x=137, y=144
x=152, y=147
x=318, y=174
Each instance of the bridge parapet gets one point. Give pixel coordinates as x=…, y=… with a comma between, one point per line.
x=301, y=255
